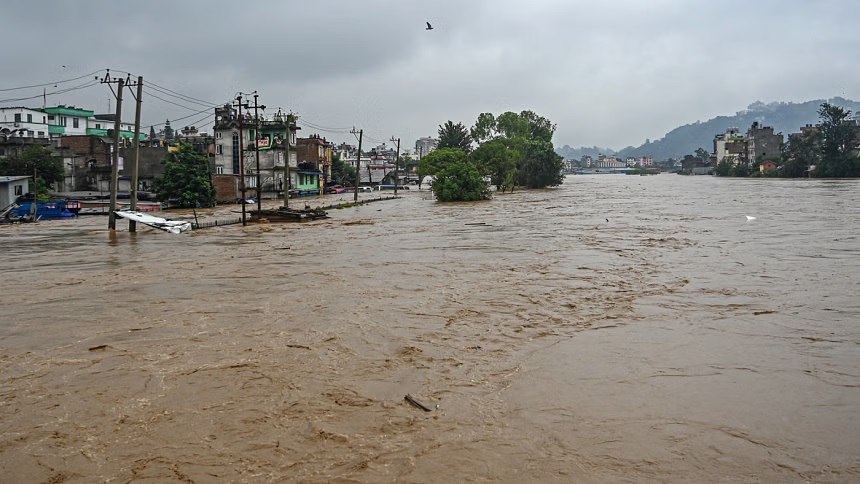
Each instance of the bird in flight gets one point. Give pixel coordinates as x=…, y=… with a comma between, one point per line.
x=429, y=27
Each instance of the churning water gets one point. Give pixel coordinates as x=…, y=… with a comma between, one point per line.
x=617, y=328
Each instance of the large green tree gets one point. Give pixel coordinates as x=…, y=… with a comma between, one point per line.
x=801, y=152
x=495, y=159
x=837, y=138
x=454, y=136
x=541, y=166
x=186, y=179
x=47, y=166
x=460, y=182
x=431, y=163
x=529, y=135
x=342, y=173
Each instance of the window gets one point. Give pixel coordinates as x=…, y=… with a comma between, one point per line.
x=43, y=120
x=219, y=150
x=41, y=134
x=19, y=190
x=219, y=170
x=65, y=121
x=17, y=117
x=235, y=152
x=98, y=126
x=218, y=135
x=29, y=118
x=74, y=122
x=50, y=117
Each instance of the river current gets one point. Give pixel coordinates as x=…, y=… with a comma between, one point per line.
x=613, y=329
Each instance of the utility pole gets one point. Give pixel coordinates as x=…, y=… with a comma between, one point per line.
x=257, y=151
x=132, y=225
x=287, y=181
x=357, y=164
x=116, y=126
x=396, y=164
x=241, y=157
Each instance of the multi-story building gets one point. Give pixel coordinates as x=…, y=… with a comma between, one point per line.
x=24, y=122
x=314, y=157
x=763, y=144
x=257, y=153
x=729, y=144
x=425, y=145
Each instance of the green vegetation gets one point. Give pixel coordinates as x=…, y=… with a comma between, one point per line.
x=828, y=150
x=460, y=182
x=454, y=136
x=186, y=179
x=39, y=159
x=513, y=150
x=341, y=173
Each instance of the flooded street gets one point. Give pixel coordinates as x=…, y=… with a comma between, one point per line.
x=614, y=329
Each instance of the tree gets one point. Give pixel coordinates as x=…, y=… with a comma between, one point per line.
x=541, y=166
x=802, y=152
x=702, y=155
x=837, y=137
x=724, y=167
x=341, y=172
x=460, y=182
x=47, y=166
x=454, y=136
x=186, y=179
x=497, y=161
x=484, y=128
x=431, y=163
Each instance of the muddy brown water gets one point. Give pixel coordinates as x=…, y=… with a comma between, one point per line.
x=615, y=329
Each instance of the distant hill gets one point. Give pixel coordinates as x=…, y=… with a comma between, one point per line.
x=784, y=117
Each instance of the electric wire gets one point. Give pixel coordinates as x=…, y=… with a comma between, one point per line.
x=61, y=91
x=51, y=83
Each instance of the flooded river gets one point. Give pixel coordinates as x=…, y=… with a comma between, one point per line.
x=614, y=329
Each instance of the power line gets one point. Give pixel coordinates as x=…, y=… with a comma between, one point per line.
x=61, y=91
x=174, y=94
x=149, y=93
x=91, y=74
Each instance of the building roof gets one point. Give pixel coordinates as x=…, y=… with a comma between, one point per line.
x=10, y=179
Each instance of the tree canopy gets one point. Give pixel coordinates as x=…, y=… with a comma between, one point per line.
x=341, y=172
x=513, y=150
x=186, y=179
x=47, y=165
x=460, y=181
x=454, y=136
x=837, y=139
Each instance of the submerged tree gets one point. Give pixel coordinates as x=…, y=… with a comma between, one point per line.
x=494, y=159
x=837, y=141
x=186, y=179
x=460, y=182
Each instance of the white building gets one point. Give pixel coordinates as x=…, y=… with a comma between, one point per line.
x=425, y=145
x=24, y=122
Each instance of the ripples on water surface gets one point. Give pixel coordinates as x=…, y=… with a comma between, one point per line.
x=617, y=328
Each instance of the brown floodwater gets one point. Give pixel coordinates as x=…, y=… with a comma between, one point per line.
x=614, y=329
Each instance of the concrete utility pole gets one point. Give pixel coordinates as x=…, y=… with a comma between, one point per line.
x=357, y=164
x=132, y=225
x=287, y=164
x=241, y=157
x=257, y=151
x=396, y=164
x=116, y=127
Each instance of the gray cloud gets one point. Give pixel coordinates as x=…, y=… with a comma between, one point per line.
x=607, y=73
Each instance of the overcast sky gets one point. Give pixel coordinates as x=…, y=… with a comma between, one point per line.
x=609, y=73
